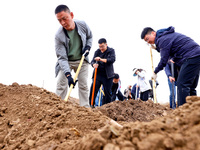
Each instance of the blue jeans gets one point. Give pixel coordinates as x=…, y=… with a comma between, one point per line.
x=172, y=101
x=99, y=97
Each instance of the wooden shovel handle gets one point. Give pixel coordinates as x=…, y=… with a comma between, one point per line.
x=75, y=77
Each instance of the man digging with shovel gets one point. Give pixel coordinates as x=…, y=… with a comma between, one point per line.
x=72, y=40
x=105, y=56
x=184, y=51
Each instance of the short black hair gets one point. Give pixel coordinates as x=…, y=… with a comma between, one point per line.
x=102, y=40
x=116, y=76
x=61, y=8
x=145, y=31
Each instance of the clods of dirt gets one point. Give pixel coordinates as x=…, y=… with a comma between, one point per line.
x=179, y=130
x=34, y=118
x=133, y=110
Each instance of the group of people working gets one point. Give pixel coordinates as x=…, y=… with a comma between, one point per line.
x=73, y=40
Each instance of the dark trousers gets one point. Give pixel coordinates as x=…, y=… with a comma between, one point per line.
x=119, y=95
x=188, y=79
x=144, y=95
x=133, y=96
x=107, y=84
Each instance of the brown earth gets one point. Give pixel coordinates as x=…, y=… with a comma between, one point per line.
x=34, y=118
x=133, y=110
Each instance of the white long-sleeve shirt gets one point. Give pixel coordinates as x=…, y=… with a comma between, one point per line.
x=143, y=84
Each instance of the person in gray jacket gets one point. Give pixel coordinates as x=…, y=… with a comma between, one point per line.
x=72, y=40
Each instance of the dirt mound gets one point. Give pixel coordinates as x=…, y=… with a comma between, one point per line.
x=31, y=117
x=34, y=118
x=178, y=131
x=133, y=110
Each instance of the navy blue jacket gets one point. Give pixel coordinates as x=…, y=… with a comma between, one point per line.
x=169, y=72
x=110, y=56
x=174, y=45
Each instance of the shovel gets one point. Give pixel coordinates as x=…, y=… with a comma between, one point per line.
x=136, y=95
x=75, y=77
x=101, y=92
x=153, y=81
x=93, y=90
x=172, y=71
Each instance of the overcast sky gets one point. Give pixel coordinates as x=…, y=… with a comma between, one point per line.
x=28, y=28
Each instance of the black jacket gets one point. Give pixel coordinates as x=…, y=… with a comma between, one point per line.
x=110, y=56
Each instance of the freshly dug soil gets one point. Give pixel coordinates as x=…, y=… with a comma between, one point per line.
x=34, y=118
x=179, y=130
x=133, y=110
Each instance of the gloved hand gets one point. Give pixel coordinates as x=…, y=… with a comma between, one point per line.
x=154, y=76
x=86, y=50
x=70, y=80
x=86, y=53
